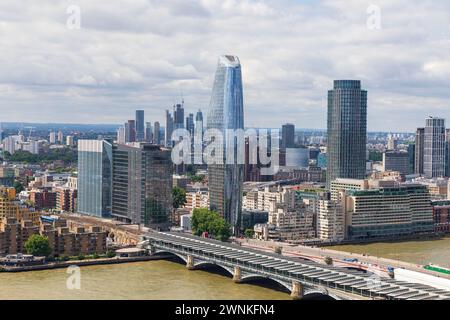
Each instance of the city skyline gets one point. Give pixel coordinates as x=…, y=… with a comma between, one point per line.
x=84, y=74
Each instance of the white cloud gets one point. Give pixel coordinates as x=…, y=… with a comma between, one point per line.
x=132, y=54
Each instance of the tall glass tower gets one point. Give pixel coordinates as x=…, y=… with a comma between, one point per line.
x=140, y=129
x=434, y=148
x=347, y=131
x=226, y=112
x=94, y=177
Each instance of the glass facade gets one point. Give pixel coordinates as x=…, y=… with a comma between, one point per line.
x=158, y=169
x=94, y=177
x=434, y=148
x=128, y=184
x=347, y=131
x=142, y=185
x=140, y=129
x=227, y=112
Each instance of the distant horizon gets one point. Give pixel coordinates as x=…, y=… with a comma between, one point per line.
x=26, y=124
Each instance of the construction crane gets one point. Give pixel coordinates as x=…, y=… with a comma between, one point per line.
x=31, y=131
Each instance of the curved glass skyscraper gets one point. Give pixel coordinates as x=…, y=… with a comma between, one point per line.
x=227, y=112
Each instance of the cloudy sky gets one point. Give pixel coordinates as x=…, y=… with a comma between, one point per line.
x=146, y=54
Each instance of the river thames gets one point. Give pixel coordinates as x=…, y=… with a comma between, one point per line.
x=435, y=251
x=152, y=280
x=161, y=280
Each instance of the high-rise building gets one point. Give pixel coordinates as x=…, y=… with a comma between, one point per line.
x=140, y=129
x=121, y=135
x=60, y=137
x=190, y=123
x=419, y=151
x=412, y=157
x=392, y=143
x=94, y=177
x=198, y=138
x=178, y=116
x=396, y=161
x=199, y=121
x=52, y=139
x=156, y=134
x=158, y=179
x=69, y=141
x=130, y=131
x=148, y=132
x=447, y=152
x=288, y=136
x=227, y=112
x=347, y=131
x=169, y=129
x=434, y=148
x=127, y=183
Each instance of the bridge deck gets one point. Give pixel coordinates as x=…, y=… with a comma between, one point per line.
x=286, y=268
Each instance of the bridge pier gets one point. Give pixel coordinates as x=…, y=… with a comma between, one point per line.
x=297, y=290
x=237, y=275
x=190, y=262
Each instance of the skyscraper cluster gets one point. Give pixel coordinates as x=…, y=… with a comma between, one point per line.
x=176, y=120
x=137, y=130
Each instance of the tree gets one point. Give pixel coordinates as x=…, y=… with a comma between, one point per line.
x=249, y=233
x=278, y=250
x=38, y=245
x=204, y=220
x=179, y=197
x=328, y=261
x=18, y=186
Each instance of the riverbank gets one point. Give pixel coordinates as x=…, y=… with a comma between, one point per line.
x=79, y=263
x=421, y=252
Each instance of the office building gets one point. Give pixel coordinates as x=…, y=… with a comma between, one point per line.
x=156, y=134
x=388, y=212
x=148, y=132
x=178, y=116
x=69, y=141
x=392, y=143
x=142, y=185
x=94, y=177
x=288, y=136
x=347, y=130
x=140, y=128
x=52, y=139
x=227, y=112
x=127, y=184
x=121, y=135
x=168, y=130
x=199, y=121
x=190, y=124
x=434, y=148
x=158, y=172
x=130, y=131
x=60, y=137
x=396, y=161
x=412, y=158
x=419, y=151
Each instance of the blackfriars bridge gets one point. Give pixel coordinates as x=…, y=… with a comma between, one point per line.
x=301, y=278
